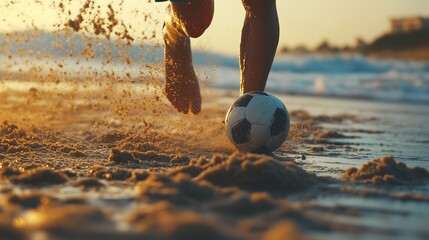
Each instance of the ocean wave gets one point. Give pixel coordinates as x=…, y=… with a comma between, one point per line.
x=349, y=76
x=338, y=76
x=323, y=64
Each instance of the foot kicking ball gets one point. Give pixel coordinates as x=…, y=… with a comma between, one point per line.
x=257, y=122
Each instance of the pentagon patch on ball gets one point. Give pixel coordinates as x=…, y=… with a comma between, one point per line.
x=257, y=122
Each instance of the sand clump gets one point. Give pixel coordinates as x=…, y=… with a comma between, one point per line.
x=139, y=175
x=77, y=154
x=153, y=156
x=39, y=177
x=163, y=221
x=179, y=189
x=111, y=174
x=191, y=170
x=9, y=172
x=11, y=131
x=26, y=201
x=118, y=156
x=205, y=181
x=15, y=140
x=88, y=184
x=386, y=170
x=72, y=222
x=118, y=174
x=112, y=137
x=256, y=173
x=240, y=203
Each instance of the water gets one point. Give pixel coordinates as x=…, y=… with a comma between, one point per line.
x=352, y=76
x=386, y=128
x=346, y=76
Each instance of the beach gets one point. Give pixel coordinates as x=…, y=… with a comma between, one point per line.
x=92, y=159
x=90, y=147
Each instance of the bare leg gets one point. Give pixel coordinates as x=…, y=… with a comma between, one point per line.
x=259, y=42
x=182, y=21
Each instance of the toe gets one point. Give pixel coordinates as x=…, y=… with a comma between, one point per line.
x=183, y=105
x=171, y=97
x=196, y=105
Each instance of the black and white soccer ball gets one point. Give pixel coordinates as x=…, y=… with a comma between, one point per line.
x=257, y=122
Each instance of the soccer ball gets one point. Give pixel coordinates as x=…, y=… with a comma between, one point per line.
x=257, y=122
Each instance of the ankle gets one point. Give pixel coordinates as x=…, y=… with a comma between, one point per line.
x=173, y=35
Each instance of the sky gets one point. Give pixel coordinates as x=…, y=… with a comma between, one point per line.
x=306, y=22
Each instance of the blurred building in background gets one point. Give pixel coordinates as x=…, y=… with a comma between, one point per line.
x=409, y=24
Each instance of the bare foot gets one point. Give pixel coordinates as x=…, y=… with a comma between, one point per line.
x=181, y=88
x=183, y=91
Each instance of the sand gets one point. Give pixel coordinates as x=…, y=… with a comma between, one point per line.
x=162, y=181
x=132, y=183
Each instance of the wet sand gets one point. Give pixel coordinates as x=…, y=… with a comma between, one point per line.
x=98, y=164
